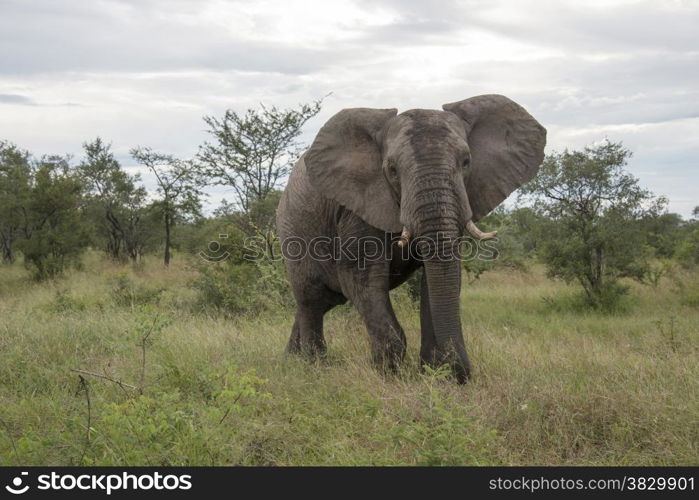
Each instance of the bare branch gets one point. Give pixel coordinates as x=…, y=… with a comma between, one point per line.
x=84, y=387
x=105, y=377
x=144, y=339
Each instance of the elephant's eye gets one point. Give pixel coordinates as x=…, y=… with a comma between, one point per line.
x=392, y=169
x=467, y=162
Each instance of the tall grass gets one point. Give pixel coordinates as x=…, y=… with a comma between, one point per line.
x=553, y=383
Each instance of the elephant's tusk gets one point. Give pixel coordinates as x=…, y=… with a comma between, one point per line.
x=404, y=237
x=477, y=233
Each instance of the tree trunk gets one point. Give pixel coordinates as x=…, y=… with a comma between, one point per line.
x=116, y=235
x=166, y=258
x=596, y=267
x=7, y=255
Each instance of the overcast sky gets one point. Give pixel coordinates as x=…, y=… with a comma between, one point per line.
x=145, y=72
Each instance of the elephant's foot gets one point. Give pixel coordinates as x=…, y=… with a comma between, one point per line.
x=428, y=358
x=309, y=351
x=294, y=344
x=307, y=338
x=388, y=351
x=434, y=358
x=293, y=347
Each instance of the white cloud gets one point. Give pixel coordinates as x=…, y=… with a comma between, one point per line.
x=145, y=72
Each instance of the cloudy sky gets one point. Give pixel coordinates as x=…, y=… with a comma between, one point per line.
x=145, y=72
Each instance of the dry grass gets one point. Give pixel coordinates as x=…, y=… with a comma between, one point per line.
x=553, y=384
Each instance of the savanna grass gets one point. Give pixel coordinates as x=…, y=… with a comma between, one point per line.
x=553, y=383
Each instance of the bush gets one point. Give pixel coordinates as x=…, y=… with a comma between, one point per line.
x=249, y=287
x=440, y=432
x=65, y=302
x=413, y=286
x=127, y=293
x=48, y=253
x=609, y=297
x=691, y=298
x=595, y=213
x=508, y=250
x=687, y=251
x=686, y=286
x=169, y=428
x=57, y=236
x=612, y=298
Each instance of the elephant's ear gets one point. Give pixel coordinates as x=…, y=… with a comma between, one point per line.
x=345, y=163
x=507, y=148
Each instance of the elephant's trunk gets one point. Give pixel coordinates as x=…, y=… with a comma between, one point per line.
x=444, y=285
x=433, y=209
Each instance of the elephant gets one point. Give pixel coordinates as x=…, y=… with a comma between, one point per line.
x=399, y=181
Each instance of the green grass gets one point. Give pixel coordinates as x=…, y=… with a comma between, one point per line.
x=553, y=384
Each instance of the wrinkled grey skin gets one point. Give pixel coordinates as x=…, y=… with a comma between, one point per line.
x=370, y=172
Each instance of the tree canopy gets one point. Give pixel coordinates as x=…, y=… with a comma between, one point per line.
x=252, y=153
x=592, y=210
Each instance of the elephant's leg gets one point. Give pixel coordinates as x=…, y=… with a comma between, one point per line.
x=312, y=302
x=386, y=336
x=307, y=333
x=428, y=346
x=294, y=345
x=363, y=272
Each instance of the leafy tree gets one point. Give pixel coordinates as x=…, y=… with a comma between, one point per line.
x=114, y=195
x=178, y=188
x=594, y=207
x=56, y=235
x=507, y=251
x=687, y=251
x=254, y=152
x=15, y=185
x=663, y=231
x=526, y=225
x=261, y=221
x=225, y=209
x=140, y=226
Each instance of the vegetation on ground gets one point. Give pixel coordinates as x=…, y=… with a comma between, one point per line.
x=555, y=383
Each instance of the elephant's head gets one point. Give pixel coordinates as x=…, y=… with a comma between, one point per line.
x=426, y=172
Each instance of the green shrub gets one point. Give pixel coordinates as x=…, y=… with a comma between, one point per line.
x=57, y=236
x=612, y=298
x=686, y=287
x=691, y=298
x=687, y=251
x=249, y=287
x=413, y=286
x=438, y=431
x=507, y=251
x=172, y=428
x=126, y=292
x=65, y=302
